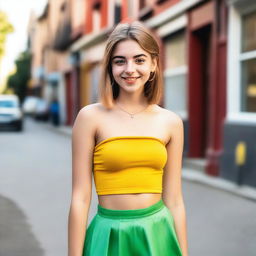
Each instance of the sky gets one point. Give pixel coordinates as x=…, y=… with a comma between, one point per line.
x=18, y=12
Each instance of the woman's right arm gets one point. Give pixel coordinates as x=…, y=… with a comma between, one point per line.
x=82, y=158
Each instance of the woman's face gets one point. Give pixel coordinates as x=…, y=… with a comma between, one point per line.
x=131, y=65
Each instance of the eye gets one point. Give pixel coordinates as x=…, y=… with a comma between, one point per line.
x=140, y=61
x=119, y=61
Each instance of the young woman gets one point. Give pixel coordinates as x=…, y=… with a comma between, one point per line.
x=133, y=148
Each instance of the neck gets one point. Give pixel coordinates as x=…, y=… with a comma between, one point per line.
x=131, y=101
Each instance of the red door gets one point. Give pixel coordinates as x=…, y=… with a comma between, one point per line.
x=206, y=82
x=199, y=90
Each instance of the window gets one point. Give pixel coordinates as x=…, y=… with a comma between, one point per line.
x=160, y=1
x=175, y=73
x=248, y=63
x=175, y=51
x=117, y=11
x=142, y=4
x=94, y=74
x=249, y=32
x=96, y=17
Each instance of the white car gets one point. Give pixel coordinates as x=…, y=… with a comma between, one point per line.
x=42, y=110
x=10, y=112
x=29, y=105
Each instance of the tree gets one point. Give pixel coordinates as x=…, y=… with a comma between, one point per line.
x=5, y=29
x=18, y=82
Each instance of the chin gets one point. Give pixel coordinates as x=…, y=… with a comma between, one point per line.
x=132, y=89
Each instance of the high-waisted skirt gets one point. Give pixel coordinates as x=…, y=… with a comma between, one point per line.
x=148, y=231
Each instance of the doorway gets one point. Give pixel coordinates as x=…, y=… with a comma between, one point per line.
x=199, y=90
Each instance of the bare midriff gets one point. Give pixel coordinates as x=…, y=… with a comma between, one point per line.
x=128, y=201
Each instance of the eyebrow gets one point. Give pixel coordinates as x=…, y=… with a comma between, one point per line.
x=136, y=56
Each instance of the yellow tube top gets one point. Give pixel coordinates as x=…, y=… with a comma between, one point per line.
x=129, y=164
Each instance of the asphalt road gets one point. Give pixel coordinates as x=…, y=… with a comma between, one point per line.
x=35, y=193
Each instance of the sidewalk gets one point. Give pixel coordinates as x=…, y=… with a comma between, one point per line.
x=194, y=175
x=219, y=183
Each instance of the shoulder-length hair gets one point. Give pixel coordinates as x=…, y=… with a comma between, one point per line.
x=109, y=89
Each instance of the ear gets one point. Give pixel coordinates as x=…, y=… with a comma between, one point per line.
x=153, y=65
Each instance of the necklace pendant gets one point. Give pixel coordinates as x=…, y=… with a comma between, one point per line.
x=132, y=116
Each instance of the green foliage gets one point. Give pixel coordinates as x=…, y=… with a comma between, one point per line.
x=18, y=82
x=5, y=29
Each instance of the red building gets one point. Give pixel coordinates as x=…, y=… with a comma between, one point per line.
x=193, y=36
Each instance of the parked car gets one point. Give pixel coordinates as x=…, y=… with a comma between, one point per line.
x=42, y=111
x=29, y=105
x=10, y=112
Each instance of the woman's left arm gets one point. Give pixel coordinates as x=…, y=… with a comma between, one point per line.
x=172, y=187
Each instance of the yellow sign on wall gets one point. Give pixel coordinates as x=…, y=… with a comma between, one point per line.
x=240, y=153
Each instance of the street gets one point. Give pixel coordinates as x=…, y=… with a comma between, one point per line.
x=35, y=193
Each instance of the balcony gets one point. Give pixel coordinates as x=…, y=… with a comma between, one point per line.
x=63, y=38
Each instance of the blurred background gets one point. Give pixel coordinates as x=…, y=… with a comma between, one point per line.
x=50, y=61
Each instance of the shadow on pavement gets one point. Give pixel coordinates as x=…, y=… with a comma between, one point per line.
x=16, y=236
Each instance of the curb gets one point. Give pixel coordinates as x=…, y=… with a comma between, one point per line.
x=64, y=130
x=219, y=183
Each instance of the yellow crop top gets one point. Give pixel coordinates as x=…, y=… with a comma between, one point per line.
x=129, y=164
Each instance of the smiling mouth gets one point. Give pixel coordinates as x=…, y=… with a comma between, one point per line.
x=130, y=78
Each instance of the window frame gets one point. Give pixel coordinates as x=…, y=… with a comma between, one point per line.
x=180, y=70
x=234, y=68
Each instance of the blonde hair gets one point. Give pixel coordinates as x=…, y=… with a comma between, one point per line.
x=109, y=89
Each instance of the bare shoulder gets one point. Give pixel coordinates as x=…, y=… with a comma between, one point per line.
x=170, y=116
x=174, y=122
x=89, y=112
x=90, y=109
x=85, y=119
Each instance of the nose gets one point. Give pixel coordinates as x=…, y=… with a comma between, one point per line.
x=130, y=67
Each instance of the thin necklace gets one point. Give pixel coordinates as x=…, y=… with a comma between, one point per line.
x=132, y=115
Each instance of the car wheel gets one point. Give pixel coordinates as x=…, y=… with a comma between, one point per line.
x=19, y=127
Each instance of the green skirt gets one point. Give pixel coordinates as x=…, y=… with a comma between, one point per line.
x=141, y=232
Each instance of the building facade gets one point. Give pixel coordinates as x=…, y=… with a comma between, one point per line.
x=208, y=50
x=240, y=122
